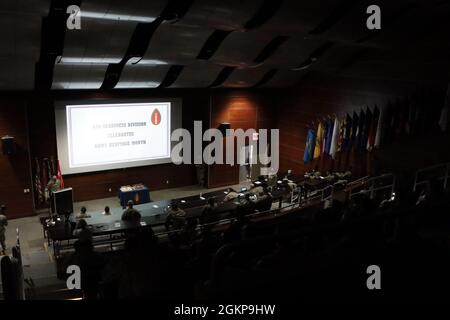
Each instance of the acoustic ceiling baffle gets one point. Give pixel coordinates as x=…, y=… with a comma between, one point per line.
x=336, y=15
x=314, y=56
x=222, y=76
x=52, y=42
x=140, y=40
x=270, y=49
x=136, y=49
x=266, y=11
x=266, y=78
x=171, y=76
x=212, y=44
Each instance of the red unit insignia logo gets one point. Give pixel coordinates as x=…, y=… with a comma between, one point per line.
x=156, y=117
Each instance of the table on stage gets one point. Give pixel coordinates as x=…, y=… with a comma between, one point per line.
x=138, y=193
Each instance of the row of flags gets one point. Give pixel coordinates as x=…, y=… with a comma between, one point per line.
x=43, y=172
x=372, y=128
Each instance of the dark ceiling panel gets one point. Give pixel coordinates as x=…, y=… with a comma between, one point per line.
x=142, y=75
x=19, y=52
x=98, y=41
x=177, y=43
x=129, y=10
x=244, y=78
x=78, y=76
x=199, y=74
x=294, y=51
x=241, y=48
x=222, y=15
x=284, y=78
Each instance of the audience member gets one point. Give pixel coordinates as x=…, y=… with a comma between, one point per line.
x=3, y=224
x=107, y=211
x=82, y=214
x=176, y=218
x=131, y=214
x=82, y=232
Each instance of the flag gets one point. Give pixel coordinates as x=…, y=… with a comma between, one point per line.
x=37, y=183
x=341, y=137
x=355, y=124
x=379, y=129
x=59, y=175
x=348, y=133
x=366, y=128
x=335, y=139
x=326, y=128
x=373, y=129
x=360, y=130
x=319, y=141
x=309, y=147
x=329, y=136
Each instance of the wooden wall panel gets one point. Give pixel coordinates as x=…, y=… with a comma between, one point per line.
x=321, y=95
x=243, y=109
x=14, y=169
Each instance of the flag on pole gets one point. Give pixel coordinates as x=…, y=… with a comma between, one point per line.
x=59, y=175
x=335, y=139
x=329, y=136
x=37, y=183
x=373, y=129
x=309, y=147
x=319, y=141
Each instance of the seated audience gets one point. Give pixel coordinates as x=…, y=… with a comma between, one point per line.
x=209, y=211
x=82, y=214
x=91, y=265
x=3, y=224
x=264, y=202
x=246, y=205
x=107, y=211
x=232, y=195
x=176, y=218
x=131, y=214
x=82, y=231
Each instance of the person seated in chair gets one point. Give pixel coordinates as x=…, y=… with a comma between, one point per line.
x=107, y=211
x=231, y=195
x=209, y=211
x=176, y=218
x=131, y=214
x=264, y=202
x=82, y=214
x=246, y=205
x=82, y=231
x=3, y=224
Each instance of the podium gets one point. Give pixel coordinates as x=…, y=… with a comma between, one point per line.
x=63, y=201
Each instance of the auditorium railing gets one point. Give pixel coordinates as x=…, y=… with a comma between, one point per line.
x=440, y=172
x=372, y=185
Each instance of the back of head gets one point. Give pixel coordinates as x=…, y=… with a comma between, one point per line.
x=82, y=224
x=107, y=209
x=130, y=204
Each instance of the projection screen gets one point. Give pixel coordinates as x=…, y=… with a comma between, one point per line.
x=96, y=136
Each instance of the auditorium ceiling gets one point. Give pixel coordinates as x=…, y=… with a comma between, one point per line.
x=209, y=43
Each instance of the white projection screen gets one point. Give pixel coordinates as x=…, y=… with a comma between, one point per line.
x=105, y=135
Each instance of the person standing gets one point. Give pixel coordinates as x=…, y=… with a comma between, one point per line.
x=52, y=186
x=3, y=224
